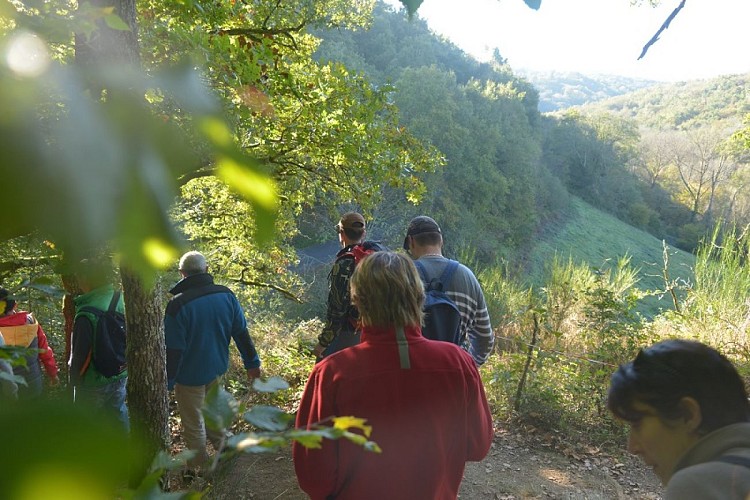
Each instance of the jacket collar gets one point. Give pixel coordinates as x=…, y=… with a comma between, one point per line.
x=402, y=336
x=194, y=281
x=387, y=335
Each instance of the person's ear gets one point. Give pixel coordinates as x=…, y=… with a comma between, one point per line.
x=692, y=415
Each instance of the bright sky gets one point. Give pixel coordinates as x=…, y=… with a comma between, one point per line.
x=706, y=39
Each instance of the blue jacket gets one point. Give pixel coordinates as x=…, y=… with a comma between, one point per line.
x=199, y=322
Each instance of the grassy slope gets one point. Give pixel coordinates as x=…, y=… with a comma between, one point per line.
x=591, y=236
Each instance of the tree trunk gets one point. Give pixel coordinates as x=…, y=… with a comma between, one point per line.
x=146, y=356
x=70, y=284
x=146, y=352
x=106, y=46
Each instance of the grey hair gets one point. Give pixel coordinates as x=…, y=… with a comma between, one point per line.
x=193, y=263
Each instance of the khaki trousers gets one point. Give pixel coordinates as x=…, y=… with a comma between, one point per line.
x=189, y=403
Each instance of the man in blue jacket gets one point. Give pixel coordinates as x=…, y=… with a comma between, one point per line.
x=200, y=320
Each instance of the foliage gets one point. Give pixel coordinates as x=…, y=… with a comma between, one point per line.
x=327, y=135
x=413, y=5
x=716, y=310
x=108, y=171
x=85, y=453
x=589, y=236
x=285, y=349
x=588, y=154
x=587, y=327
x=270, y=426
x=691, y=167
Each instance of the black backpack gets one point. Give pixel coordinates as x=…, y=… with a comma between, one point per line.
x=442, y=320
x=108, y=350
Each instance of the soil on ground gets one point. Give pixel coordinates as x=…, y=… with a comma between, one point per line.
x=522, y=464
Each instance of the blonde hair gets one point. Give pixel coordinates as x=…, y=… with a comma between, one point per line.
x=387, y=290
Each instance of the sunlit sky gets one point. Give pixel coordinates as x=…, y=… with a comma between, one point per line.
x=706, y=39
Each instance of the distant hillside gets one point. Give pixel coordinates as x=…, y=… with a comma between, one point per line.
x=591, y=236
x=560, y=90
x=683, y=104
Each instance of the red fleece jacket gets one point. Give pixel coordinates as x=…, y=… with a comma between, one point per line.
x=428, y=419
x=47, y=357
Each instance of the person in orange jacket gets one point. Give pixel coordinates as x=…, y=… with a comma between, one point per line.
x=20, y=328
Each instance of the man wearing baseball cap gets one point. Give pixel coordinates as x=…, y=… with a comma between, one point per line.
x=341, y=329
x=424, y=242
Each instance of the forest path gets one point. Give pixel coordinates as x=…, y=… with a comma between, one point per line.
x=522, y=464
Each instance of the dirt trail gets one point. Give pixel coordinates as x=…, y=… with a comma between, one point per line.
x=520, y=465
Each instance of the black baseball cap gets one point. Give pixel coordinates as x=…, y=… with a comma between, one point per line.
x=419, y=225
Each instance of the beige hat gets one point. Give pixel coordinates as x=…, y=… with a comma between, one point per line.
x=351, y=220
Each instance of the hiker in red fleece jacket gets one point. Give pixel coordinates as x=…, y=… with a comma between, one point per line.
x=20, y=328
x=424, y=399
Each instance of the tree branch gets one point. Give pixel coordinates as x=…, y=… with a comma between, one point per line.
x=663, y=27
x=286, y=293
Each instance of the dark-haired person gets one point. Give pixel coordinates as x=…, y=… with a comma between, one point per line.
x=424, y=399
x=689, y=419
x=21, y=329
x=340, y=327
x=424, y=242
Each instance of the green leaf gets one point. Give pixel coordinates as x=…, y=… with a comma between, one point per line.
x=245, y=176
x=534, y=4
x=116, y=23
x=269, y=418
x=273, y=384
x=86, y=455
x=149, y=487
x=219, y=409
x=165, y=461
x=372, y=446
x=244, y=440
x=13, y=378
x=7, y=10
x=411, y=6
x=346, y=423
x=309, y=439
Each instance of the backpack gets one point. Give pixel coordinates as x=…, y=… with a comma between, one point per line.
x=360, y=251
x=442, y=319
x=108, y=351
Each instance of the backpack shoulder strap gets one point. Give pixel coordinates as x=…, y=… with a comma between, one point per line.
x=98, y=312
x=448, y=272
x=89, y=310
x=114, y=301
x=422, y=271
x=350, y=253
x=445, y=277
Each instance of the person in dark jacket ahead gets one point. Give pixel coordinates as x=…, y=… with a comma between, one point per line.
x=200, y=320
x=340, y=328
x=423, y=399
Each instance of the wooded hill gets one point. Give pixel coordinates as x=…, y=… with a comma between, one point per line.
x=560, y=90
x=510, y=171
x=690, y=104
